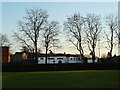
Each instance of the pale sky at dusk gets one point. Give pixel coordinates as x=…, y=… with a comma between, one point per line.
x=59, y=11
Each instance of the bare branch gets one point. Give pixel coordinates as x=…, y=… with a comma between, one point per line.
x=49, y=34
x=111, y=22
x=92, y=31
x=4, y=41
x=30, y=28
x=73, y=26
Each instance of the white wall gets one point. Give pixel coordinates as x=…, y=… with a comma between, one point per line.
x=64, y=59
x=75, y=60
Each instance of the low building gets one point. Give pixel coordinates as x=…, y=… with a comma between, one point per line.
x=25, y=58
x=51, y=58
x=75, y=58
x=19, y=56
x=60, y=58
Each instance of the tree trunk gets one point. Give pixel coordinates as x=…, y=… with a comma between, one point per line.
x=36, y=56
x=111, y=43
x=93, y=54
x=35, y=42
x=81, y=50
x=93, y=58
x=46, y=55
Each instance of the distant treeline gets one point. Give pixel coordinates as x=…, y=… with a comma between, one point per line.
x=110, y=60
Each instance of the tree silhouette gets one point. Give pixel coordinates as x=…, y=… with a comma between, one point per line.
x=34, y=21
x=111, y=22
x=92, y=31
x=74, y=27
x=49, y=33
x=4, y=41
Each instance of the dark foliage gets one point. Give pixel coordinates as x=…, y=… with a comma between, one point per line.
x=57, y=67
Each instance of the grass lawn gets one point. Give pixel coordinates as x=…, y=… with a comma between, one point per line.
x=61, y=79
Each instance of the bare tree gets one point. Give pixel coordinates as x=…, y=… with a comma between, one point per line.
x=74, y=27
x=30, y=28
x=92, y=31
x=4, y=41
x=24, y=42
x=111, y=23
x=50, y=32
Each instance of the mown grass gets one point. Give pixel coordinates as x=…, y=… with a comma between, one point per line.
x=61, y=79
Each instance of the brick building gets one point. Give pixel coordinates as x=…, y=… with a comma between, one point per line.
x=4, y=54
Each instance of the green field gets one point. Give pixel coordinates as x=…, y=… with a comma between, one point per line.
x=61, y=79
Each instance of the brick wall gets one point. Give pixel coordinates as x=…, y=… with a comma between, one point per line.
x=5, y=54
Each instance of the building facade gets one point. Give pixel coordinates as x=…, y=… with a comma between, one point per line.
x=4, y=54
x=51, y=58
x=60, y=58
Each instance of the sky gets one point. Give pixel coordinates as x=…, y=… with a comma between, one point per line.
x=59, y=11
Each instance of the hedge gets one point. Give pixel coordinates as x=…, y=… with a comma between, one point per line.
x=57, y=67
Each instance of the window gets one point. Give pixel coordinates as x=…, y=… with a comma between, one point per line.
x=76, y=59
x=24, y=56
